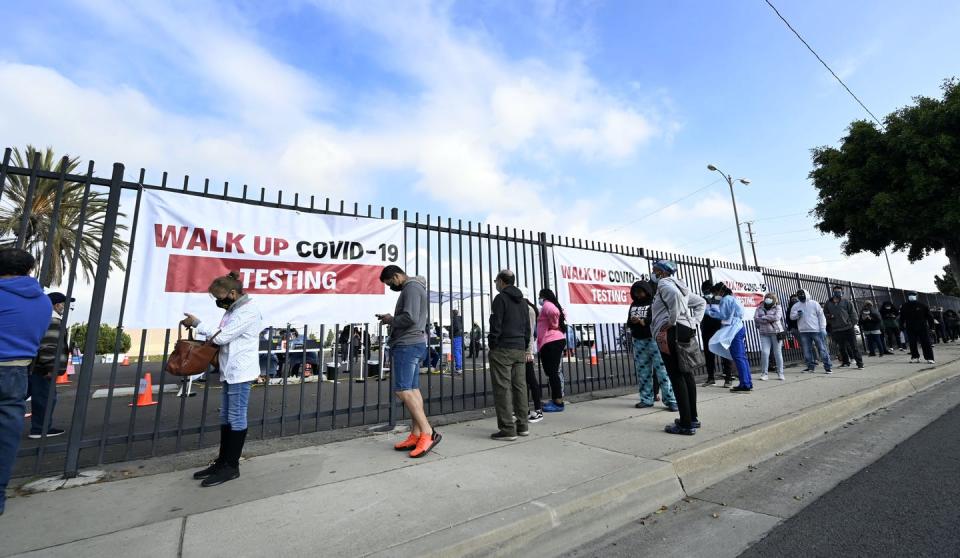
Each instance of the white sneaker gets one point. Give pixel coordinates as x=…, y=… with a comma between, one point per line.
x=534, y=415
x=931, y=362
x=914, y=361
x=764, y=377
x=780, y=377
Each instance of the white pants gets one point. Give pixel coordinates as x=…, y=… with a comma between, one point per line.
x=767, y=342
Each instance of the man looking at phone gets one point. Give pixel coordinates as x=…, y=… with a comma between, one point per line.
x=407, y=346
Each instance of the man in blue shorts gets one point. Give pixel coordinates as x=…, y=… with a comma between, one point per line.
x=407, y=347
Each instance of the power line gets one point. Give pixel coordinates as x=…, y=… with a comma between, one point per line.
x=795, y=32
x=658, y=210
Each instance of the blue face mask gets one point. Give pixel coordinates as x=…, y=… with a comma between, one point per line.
x=539, y=302
x=654, y=279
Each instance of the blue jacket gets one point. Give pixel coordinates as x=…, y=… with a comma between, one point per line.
x=24, y=316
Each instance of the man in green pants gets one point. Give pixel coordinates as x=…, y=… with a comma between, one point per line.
x=508, y=340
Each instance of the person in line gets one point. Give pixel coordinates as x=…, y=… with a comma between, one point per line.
x=533, y=382
x=675, y=313
x=24, y=316
x=238, y=336
x=476, y=336
x=708, y=327
x=551, y=340
x=812, y=324
x=890, y=315
x=871, y=325
x=939, y=329
x=407, y=341
x=769, y=320
x=647, y=362
x=508, y=340
x=952, y=319
x=456, y=340
x=916, y=320
x=42, y=389
x=841, y=317
x=730, y=341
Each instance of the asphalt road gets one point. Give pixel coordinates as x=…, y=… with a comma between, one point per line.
x=905, y=504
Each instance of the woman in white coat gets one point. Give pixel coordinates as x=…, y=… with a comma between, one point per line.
x=769, y=320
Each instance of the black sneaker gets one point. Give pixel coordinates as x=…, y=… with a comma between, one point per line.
x=845, y=365
x=535, y=415
x=209, y=471
x=50, y=434
x=642, y=405
x=521, y=432
x=677, y=429
x=741, y=388
x=693, y=424
x=503, y=437
x=221, y=475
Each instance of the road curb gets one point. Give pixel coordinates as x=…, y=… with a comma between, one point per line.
x=639, y=490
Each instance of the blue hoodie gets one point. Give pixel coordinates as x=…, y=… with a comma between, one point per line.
x=24, y=316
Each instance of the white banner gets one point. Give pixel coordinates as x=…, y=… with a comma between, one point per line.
x=302, y=268
x=747, y=286
x=594, y=287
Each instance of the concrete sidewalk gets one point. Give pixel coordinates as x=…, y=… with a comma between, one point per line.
x=472, y=496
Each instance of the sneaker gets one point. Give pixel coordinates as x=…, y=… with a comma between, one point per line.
x=551, y=407
x=845, y=365
x=828, y=371
x=672, y=408
x=860, y=366
x=741, y=389
x=642, y=405
x=914, y=361
x=781, y=377
x=808, y=369
x=425, y=444
x=50, y=434
x=223, y=474
x=928, y=362
x=408, y=444
x=693, y=424
x=728, y=384
x=764, y=377
x=502, y=437
x=710, y=383
x=523, y=432
x=677, y=429
x=535, y=416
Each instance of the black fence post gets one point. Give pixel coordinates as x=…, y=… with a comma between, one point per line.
x=79, y=419
x=544, y=260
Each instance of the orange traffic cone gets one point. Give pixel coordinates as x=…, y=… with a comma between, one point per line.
x=63, y=379
x=593, y=355
x=145, y=399
x=125, y=361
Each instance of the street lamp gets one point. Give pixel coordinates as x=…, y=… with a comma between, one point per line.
x=730, y=181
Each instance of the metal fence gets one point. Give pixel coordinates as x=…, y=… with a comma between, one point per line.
x=75, y=221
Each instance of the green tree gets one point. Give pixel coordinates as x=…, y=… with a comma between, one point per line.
x=329, y=340
x=106, y=339
x=40, y=214
x=896, y=186
x=947, y=284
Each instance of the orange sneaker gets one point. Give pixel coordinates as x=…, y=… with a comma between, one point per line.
x=425, y=444
x=408, y=444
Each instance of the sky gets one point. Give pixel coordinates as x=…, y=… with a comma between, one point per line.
x=578, y=118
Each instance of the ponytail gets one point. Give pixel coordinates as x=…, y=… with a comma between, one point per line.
x=549, y=296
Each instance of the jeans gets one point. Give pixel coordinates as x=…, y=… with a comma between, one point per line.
x=40, y=398
x=648, y=365
x=684, y=386
x=738, y=350
x=809, y=339
x=509, y=389
x=13, y=395
x=457, y=353
x=770, y=342
x=875, y=344
x=550, y=355
x=233, y=405
x=923, y=337
x=847, y=343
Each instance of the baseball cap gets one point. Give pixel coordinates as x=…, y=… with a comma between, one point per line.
x=57, y=298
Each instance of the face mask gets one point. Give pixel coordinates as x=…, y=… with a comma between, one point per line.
x=224, y=303
x=654, y=279
x=717, y=297
x=539, y=302
x=396, y=288
x=768, y=301
x=802, y=298
x=912, y=298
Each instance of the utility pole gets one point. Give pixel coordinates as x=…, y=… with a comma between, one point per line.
x=753, y=243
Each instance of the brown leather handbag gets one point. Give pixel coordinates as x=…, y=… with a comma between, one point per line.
x=191, y=357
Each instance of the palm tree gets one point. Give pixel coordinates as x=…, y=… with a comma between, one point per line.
x=40, y=215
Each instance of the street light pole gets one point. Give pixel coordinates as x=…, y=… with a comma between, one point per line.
x=889, y=269
x=736, y=217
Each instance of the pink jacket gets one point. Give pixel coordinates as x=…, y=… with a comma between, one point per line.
x=548, y=325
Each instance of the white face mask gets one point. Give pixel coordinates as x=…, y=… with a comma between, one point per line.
x=912, y=298
x=540, y=302
x=768, y=300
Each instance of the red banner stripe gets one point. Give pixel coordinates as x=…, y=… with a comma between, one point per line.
x=596, y=293
x=193, y=274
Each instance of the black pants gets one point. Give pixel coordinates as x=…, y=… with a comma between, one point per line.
x=550, y=355
x=533, y=384
x=847, y=343
x=684, y=386
x=893, y=338
x=706, y=333
x=923, y=337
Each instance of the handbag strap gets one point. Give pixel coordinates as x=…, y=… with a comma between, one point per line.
x=211, y=338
